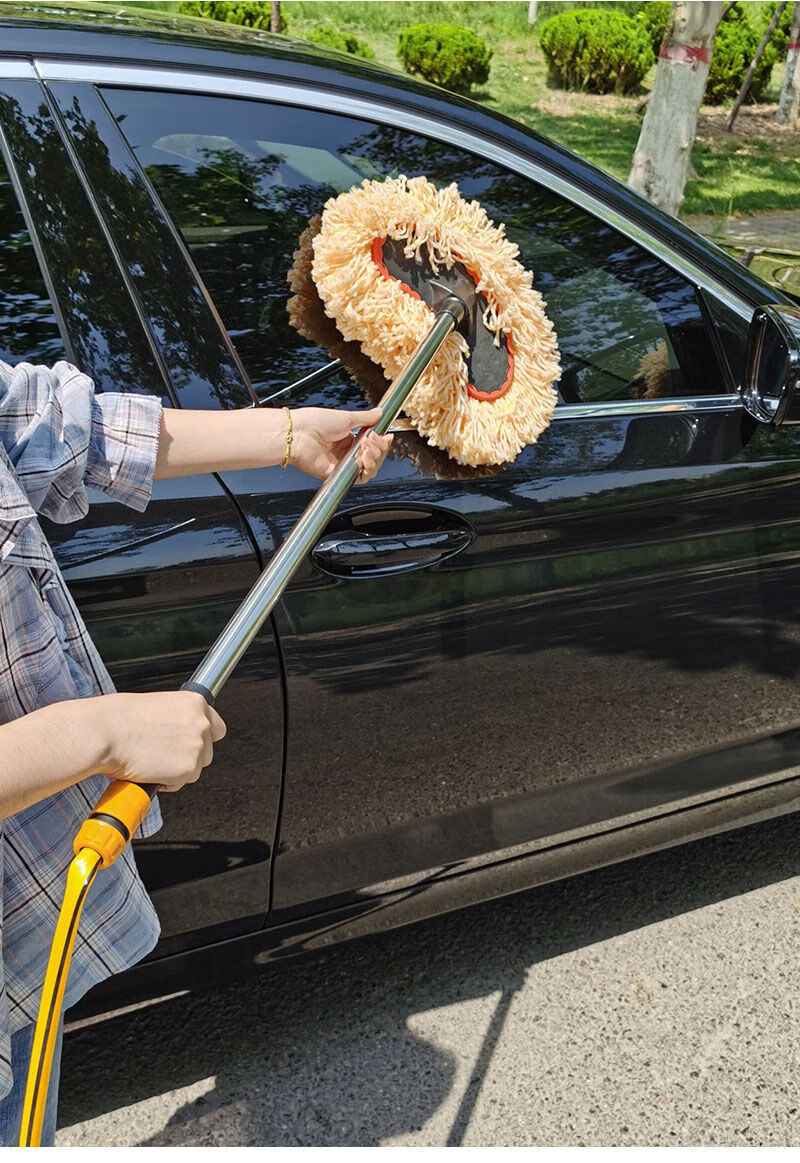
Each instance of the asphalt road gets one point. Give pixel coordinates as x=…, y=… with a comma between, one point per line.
x=653, y=1003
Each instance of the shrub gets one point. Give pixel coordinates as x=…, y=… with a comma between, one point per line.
x=780, y=37
x=734, y=48
x=330, y=37
x=654, y=17
x=603, y=52
x=254, y=14
x=452, y=57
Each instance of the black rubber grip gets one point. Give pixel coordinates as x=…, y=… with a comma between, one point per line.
x=200, y=689
x=114, y=822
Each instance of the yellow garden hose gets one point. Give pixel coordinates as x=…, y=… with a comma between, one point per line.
x=80, y=875
x=100, y=840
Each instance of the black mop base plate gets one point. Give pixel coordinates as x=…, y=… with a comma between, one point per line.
x=490, y=368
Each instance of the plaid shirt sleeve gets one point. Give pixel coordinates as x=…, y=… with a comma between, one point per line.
x=62, y=438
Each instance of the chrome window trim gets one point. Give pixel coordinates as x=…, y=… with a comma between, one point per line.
x=608, y=409
x=11, y=70
x=282, y=92
x=611, y=409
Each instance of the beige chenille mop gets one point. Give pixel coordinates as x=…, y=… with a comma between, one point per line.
x=379, y=252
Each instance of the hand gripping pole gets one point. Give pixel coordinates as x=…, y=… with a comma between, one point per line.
x=122, y=808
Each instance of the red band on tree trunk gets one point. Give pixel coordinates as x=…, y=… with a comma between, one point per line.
x=685, y=52
x=794, y=46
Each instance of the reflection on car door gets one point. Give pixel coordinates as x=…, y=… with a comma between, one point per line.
x=605, y=614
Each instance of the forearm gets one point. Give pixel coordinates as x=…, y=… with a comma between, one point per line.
x=46, y=751
x=198, y=441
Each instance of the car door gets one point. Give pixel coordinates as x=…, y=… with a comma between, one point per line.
x=156, y=587
x=619, y=602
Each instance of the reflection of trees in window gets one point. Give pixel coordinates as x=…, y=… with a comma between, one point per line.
x=28, y=328
x=242, y=203
x=242, y=230
x=199, y=363
x=98, y=314
x=603, y=293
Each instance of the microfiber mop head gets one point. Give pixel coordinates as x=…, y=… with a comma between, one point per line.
x=487, y=394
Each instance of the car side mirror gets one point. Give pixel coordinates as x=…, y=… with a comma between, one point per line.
x=772, y=388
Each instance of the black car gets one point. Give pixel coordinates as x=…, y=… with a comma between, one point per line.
x=596, y=656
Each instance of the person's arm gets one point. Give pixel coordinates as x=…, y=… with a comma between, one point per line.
x=166, y=738
x=62, y=438
x=196, y=442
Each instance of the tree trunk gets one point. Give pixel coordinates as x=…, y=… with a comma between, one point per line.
x=664, y=150
x=789, y=104
x=751, y=72
x=275, y=16
x=532, y=6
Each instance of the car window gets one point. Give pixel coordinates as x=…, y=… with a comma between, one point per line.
x=28, y=326
x=242, y=179
x=101, y=326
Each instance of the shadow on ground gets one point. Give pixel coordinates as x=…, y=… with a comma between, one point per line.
x=318, y=1052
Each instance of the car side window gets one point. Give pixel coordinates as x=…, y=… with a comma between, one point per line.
x=28, y=326
x=242, y=179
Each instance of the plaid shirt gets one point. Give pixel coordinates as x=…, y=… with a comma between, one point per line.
x=56, y=438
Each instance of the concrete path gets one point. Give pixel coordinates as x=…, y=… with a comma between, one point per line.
x=654, y=1003
x=774, y=231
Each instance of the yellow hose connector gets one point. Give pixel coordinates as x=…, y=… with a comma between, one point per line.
x=116, y=816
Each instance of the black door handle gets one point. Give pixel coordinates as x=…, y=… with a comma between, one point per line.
x=364, y=552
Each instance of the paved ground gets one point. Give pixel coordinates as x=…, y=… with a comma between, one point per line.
x=775, y=231
x=654, y=1003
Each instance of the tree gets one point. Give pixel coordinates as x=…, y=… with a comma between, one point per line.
x=663, y=152
x=275, y=16
x=751, y=72
x=789, y=104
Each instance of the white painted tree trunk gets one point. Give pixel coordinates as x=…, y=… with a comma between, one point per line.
x=664, y=150
x=532, y=6
x=789, y=104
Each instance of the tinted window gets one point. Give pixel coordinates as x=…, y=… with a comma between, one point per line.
x=242, y=179
x=28, y=327
x=106, y=338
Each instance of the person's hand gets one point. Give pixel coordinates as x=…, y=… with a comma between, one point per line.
x=166, y=737
x=322, y=436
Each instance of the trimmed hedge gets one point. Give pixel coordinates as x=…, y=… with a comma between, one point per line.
x=452, y=57
x=603, y=52
x=654, y=17
x=252, y=15
x=330, y=37
x=735, y=46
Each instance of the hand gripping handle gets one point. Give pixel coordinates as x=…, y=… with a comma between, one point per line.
x=119, y=812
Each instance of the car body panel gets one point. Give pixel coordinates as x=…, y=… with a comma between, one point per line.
x=604, y=665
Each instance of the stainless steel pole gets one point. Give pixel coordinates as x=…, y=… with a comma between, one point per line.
x=219, y=662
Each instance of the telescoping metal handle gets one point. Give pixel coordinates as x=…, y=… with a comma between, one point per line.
x=121, y=809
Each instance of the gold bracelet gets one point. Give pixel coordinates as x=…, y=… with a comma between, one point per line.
x=289, y=435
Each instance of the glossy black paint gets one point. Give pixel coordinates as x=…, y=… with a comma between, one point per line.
x=516, y=684
x=155, y=589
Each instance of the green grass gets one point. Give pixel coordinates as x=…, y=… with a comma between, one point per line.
x=736, y=175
